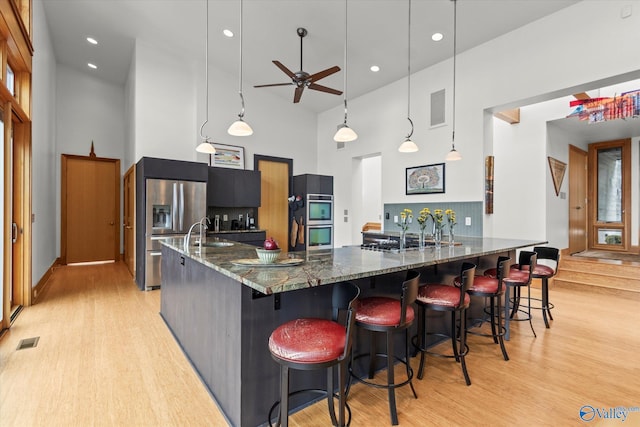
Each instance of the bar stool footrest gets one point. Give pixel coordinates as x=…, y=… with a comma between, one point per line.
x=322, y=393
x=384, y=386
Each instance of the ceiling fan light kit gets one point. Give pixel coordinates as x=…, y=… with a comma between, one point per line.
x=240, y=127
x=454, y=155
x=301, y=79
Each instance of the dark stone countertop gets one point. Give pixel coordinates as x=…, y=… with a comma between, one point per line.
x=335, y=265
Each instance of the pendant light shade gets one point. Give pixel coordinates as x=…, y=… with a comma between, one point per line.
x=240, y=127
x=408, y=146
x=344, y=132
x=454, y=154
x=205, y=146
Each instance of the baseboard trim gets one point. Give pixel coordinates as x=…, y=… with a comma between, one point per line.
x=37, y=290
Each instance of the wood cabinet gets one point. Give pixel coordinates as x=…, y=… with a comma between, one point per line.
x=233, y=188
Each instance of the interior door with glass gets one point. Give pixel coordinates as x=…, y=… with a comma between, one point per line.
x=610, y=194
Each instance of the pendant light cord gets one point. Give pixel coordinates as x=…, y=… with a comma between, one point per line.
x=241, y=115
x=345, y=62
x=409, y=73
x=206, y=76
x=453, y=120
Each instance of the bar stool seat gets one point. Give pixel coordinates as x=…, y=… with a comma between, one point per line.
x=456, y=300
x=314, y=343
x=491, y=288
x=388, y=315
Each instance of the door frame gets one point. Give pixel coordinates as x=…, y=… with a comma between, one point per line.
x=593, y=224
x=256, y=161
x=584, y=204
x=63, y=202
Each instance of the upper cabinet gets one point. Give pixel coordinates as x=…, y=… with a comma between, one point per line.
x=233, y=188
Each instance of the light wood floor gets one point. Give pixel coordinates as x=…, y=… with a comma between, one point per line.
x=105, y=357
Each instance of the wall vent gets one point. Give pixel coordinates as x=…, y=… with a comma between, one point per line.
x=437, y=108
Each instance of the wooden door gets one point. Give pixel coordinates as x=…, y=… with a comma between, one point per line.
x=129, y=212
x=273, y=213
x=578, y=207
x=90, y=209
x=610, y=195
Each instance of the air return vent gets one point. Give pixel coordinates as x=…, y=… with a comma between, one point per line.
x=28, y=343
x=437, y=108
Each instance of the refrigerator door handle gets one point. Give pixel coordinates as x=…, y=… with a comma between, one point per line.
x=174, y=207
x=181, y=206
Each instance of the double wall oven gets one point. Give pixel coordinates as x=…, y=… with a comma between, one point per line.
x=319, y=233
x=171, y=208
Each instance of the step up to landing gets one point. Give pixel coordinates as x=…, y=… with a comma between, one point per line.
x=606, y=276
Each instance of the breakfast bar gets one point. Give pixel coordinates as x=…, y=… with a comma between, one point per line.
x=221, y=305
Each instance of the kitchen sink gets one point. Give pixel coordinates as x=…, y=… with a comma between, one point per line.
x=214, y=244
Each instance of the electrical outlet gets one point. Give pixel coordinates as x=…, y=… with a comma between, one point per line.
x=225, y=217
x=467, y=220
x=395, y=219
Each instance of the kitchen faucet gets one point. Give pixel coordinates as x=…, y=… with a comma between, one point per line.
x=203, y=226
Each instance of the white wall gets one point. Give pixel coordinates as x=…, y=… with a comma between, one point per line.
x=169, y=96
x=45, y=166
x=541, y=61
x=87, y=109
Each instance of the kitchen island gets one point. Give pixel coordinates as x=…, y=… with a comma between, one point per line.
x=222, y=314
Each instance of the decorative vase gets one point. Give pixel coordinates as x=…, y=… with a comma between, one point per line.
x=451, y=233
x=421, y=243
x=437, y=237
x=403, y=240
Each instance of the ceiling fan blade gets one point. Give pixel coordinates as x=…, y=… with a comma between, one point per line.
x=275, y=84
x=298, y=94
x=323, y=74
x=321, y=88
x=287, y=71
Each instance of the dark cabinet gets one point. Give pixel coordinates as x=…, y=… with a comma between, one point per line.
x=255, y=238
x=233, y=188
x=312, y=184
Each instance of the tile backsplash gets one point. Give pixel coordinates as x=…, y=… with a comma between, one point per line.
x=463, y=210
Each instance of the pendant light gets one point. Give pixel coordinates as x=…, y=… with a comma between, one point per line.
x=345, y=133
x=408, y=146
x=454, y=154
x=240, y=127
x=205, y=146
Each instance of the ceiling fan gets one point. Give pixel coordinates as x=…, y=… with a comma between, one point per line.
x=302, y=79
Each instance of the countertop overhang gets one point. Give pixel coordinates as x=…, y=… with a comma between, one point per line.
x=336, y=265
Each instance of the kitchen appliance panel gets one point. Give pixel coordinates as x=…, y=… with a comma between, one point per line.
x=319, y=209
x=193, y=203
x=319, y=237
x=153, y=261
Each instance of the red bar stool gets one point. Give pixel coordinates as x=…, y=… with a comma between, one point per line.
x=544, y=272
x=309, y=344
x=492, y=288
x=388, y=315
x=519, y=276
x=455, y=300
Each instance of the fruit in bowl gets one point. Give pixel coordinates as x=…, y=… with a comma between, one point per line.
x=270, y=251
x=270, y=244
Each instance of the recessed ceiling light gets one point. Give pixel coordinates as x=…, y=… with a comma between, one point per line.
x=90, y=65
x=436, y=37
x=92, y=40
x=375, y=68
x=227, y=33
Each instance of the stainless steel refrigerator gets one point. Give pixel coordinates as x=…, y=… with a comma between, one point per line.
x=171, y=207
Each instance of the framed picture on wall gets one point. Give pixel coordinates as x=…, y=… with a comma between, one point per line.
x=427, y=179
x=228, y=156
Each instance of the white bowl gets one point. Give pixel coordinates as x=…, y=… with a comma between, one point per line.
x=268, y=256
